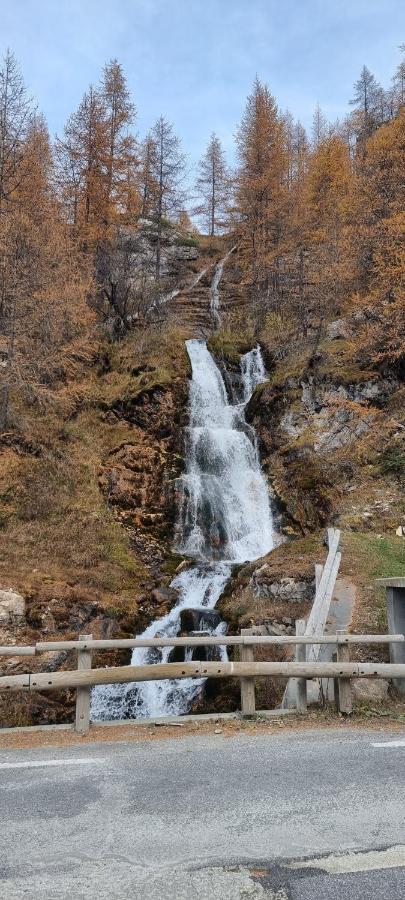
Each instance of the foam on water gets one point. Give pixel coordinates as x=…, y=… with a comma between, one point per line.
x=223, y=518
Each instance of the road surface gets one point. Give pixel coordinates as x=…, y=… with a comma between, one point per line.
x=297, y=816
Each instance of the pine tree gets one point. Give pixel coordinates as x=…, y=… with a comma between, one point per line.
x=212, y=186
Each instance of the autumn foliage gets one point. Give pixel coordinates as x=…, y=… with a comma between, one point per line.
x=318, y=224
x=321, y=225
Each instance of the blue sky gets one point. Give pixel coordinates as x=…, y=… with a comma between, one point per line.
x=195, y=60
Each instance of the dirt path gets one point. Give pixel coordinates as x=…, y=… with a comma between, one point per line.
x=380, y=719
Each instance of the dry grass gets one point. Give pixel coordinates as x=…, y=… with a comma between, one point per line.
x=55, y=525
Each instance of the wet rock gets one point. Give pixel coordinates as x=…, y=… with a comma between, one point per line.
x=199, y=620
x=194, y=654
x=12, y=607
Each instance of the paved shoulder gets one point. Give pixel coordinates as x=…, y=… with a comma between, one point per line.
x=205, y=817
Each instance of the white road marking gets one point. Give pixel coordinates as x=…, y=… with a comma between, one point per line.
x=390, y=744
x=36, y=764
x=392, y=858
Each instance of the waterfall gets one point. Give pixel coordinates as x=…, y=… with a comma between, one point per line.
x=252, y=372
x=223, y=518
x=215, y=298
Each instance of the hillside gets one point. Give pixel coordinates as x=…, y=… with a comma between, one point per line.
x=88, y=501
x=116, y=311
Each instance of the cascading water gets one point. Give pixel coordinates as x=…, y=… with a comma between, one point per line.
x=215, y=298
x=224, y=518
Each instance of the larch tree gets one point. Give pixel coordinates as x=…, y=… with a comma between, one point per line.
x=16, y=111
x=168, y=172
x=46, y=325
x=16, y=114
x=327, y=202
x=213, y=187
x=121, y=159
x=365, y=100
x=147, y=176
x=261, y=189
x=296, y=225
x=83, y=156
x=378, y=247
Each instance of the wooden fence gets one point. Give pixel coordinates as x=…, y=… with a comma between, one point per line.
x=325, y=580
x=84, y=677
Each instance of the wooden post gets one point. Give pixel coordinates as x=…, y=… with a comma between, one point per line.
x=335, y=684
x=83, y=694
x=318, y=575
x=300, y=656
x=344, y=684
x=247, y=685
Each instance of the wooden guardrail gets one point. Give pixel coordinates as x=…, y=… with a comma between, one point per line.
x=325, y=580
x=84, y=678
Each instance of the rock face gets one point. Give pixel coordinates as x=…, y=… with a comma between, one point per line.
x=312, y=418
x=285, y=590
x=12, y=607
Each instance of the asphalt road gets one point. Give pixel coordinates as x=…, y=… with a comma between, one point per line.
x=297, y=816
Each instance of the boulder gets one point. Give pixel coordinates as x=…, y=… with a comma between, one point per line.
x=199, y=620
x=12, y=608
x=370, y=690
x=340, y=328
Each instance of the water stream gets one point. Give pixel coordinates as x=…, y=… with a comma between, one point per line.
x=215, y=296
x=223, y=518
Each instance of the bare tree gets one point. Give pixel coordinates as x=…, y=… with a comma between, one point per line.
x=147, y=175
x=365, y=100
x=399, y=82
x=168, y=171
x=16, y=113
x=213, y=186
x=319, y=126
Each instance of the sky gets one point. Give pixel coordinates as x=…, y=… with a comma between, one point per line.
x=195, y=60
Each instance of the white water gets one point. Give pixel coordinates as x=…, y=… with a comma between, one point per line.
x=223, y=518
x=252, y=371
x=215, y=298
